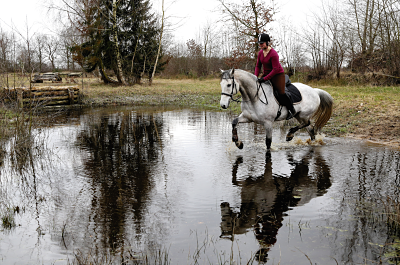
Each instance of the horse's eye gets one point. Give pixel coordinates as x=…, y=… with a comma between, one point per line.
x=229, y=85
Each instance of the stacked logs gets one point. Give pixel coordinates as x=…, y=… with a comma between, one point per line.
x=43, y=95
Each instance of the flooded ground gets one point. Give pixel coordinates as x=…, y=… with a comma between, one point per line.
x=115, y=185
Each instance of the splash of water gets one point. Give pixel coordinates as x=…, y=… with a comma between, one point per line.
x=231, y=147
x=319, y=140
x=296, y=142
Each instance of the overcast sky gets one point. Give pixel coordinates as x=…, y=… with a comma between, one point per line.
x=198, y=12
x=195, y=14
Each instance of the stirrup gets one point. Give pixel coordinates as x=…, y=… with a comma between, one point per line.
x=289, y=115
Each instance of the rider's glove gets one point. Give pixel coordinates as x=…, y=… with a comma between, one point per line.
x=261, y=80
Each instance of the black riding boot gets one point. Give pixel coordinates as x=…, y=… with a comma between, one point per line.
x=289, y=105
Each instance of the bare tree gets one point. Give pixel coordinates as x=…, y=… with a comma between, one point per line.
x=366, y=32
x=52, y=46
x=5, y=50
x=26, y=51
x=333, y=24
x=316, y=45
x=291, y=47
x=365, y=16
x=40, y=42
x=208, y=39
x=250, y=18
x=389, y=37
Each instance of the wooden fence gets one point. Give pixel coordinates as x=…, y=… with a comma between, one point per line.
x=43, y=95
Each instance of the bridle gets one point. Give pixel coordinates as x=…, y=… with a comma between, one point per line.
x=233, y=87
x=259, y=86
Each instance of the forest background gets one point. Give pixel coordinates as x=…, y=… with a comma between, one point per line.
x=127, y=42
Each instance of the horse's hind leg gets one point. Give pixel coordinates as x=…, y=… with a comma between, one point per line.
x=293, y=130
x=311, y=132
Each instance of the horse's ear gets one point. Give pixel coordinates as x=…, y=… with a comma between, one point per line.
x=232, y=71
x=221, y=70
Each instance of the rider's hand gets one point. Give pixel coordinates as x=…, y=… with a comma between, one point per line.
x=261, y=80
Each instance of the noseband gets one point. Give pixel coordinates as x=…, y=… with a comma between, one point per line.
x=233, y=87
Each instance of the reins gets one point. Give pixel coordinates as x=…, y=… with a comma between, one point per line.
x=259, y=85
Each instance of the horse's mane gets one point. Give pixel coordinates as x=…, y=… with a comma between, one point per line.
x=249, y=80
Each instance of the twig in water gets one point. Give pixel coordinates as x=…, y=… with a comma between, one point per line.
x=305, y=255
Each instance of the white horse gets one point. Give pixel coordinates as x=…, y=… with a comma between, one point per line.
x=259, y=105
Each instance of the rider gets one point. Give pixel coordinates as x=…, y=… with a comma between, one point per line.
x=268, y=58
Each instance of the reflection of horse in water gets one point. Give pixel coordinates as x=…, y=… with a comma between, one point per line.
x=266, y=199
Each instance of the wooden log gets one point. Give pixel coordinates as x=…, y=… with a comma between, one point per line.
x=54, y=87
x=52, y=95
x=58, y=102
x=71, y=96
x=43, y=88
x=50, y=103
x=35, y=94
x=48, y=98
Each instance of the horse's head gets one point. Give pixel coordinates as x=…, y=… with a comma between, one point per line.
x=229, y=87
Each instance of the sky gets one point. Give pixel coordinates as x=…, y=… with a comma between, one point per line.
x=20, y=13
x=197, y=13
x=193, y=14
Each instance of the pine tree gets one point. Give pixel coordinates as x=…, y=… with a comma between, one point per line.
x=136, y=31
x=139, y=38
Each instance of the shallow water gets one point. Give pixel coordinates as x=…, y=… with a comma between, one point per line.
x=119, y=183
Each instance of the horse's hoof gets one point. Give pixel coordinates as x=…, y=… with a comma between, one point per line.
x=289, y=138
x=239, y=144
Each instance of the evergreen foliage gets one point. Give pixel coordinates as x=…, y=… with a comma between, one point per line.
x=137, y=31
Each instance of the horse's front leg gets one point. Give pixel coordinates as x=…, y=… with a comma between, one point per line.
x=268, y=136
x=235, y=138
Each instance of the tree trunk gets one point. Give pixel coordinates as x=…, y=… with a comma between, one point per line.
x=120, y=74
x=159, y=45
x=106, y=79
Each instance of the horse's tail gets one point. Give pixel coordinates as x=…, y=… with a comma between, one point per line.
x=324, y=111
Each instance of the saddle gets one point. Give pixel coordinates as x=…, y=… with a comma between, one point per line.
x=292, y=92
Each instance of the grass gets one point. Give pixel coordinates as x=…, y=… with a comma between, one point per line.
x=189, y=92
x=368, y=111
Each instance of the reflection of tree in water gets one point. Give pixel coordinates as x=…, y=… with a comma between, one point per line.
x=372, y=175
x=265, y=199
x=122, y=151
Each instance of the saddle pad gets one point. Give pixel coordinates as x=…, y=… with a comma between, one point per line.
x=293, y=93
x=290, y=90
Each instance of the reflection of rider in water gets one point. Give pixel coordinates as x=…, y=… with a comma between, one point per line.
x=266, y=199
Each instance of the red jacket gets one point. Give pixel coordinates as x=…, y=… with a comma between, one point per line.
x=270, y=63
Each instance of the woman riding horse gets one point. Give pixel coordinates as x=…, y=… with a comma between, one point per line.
x=268, y=58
